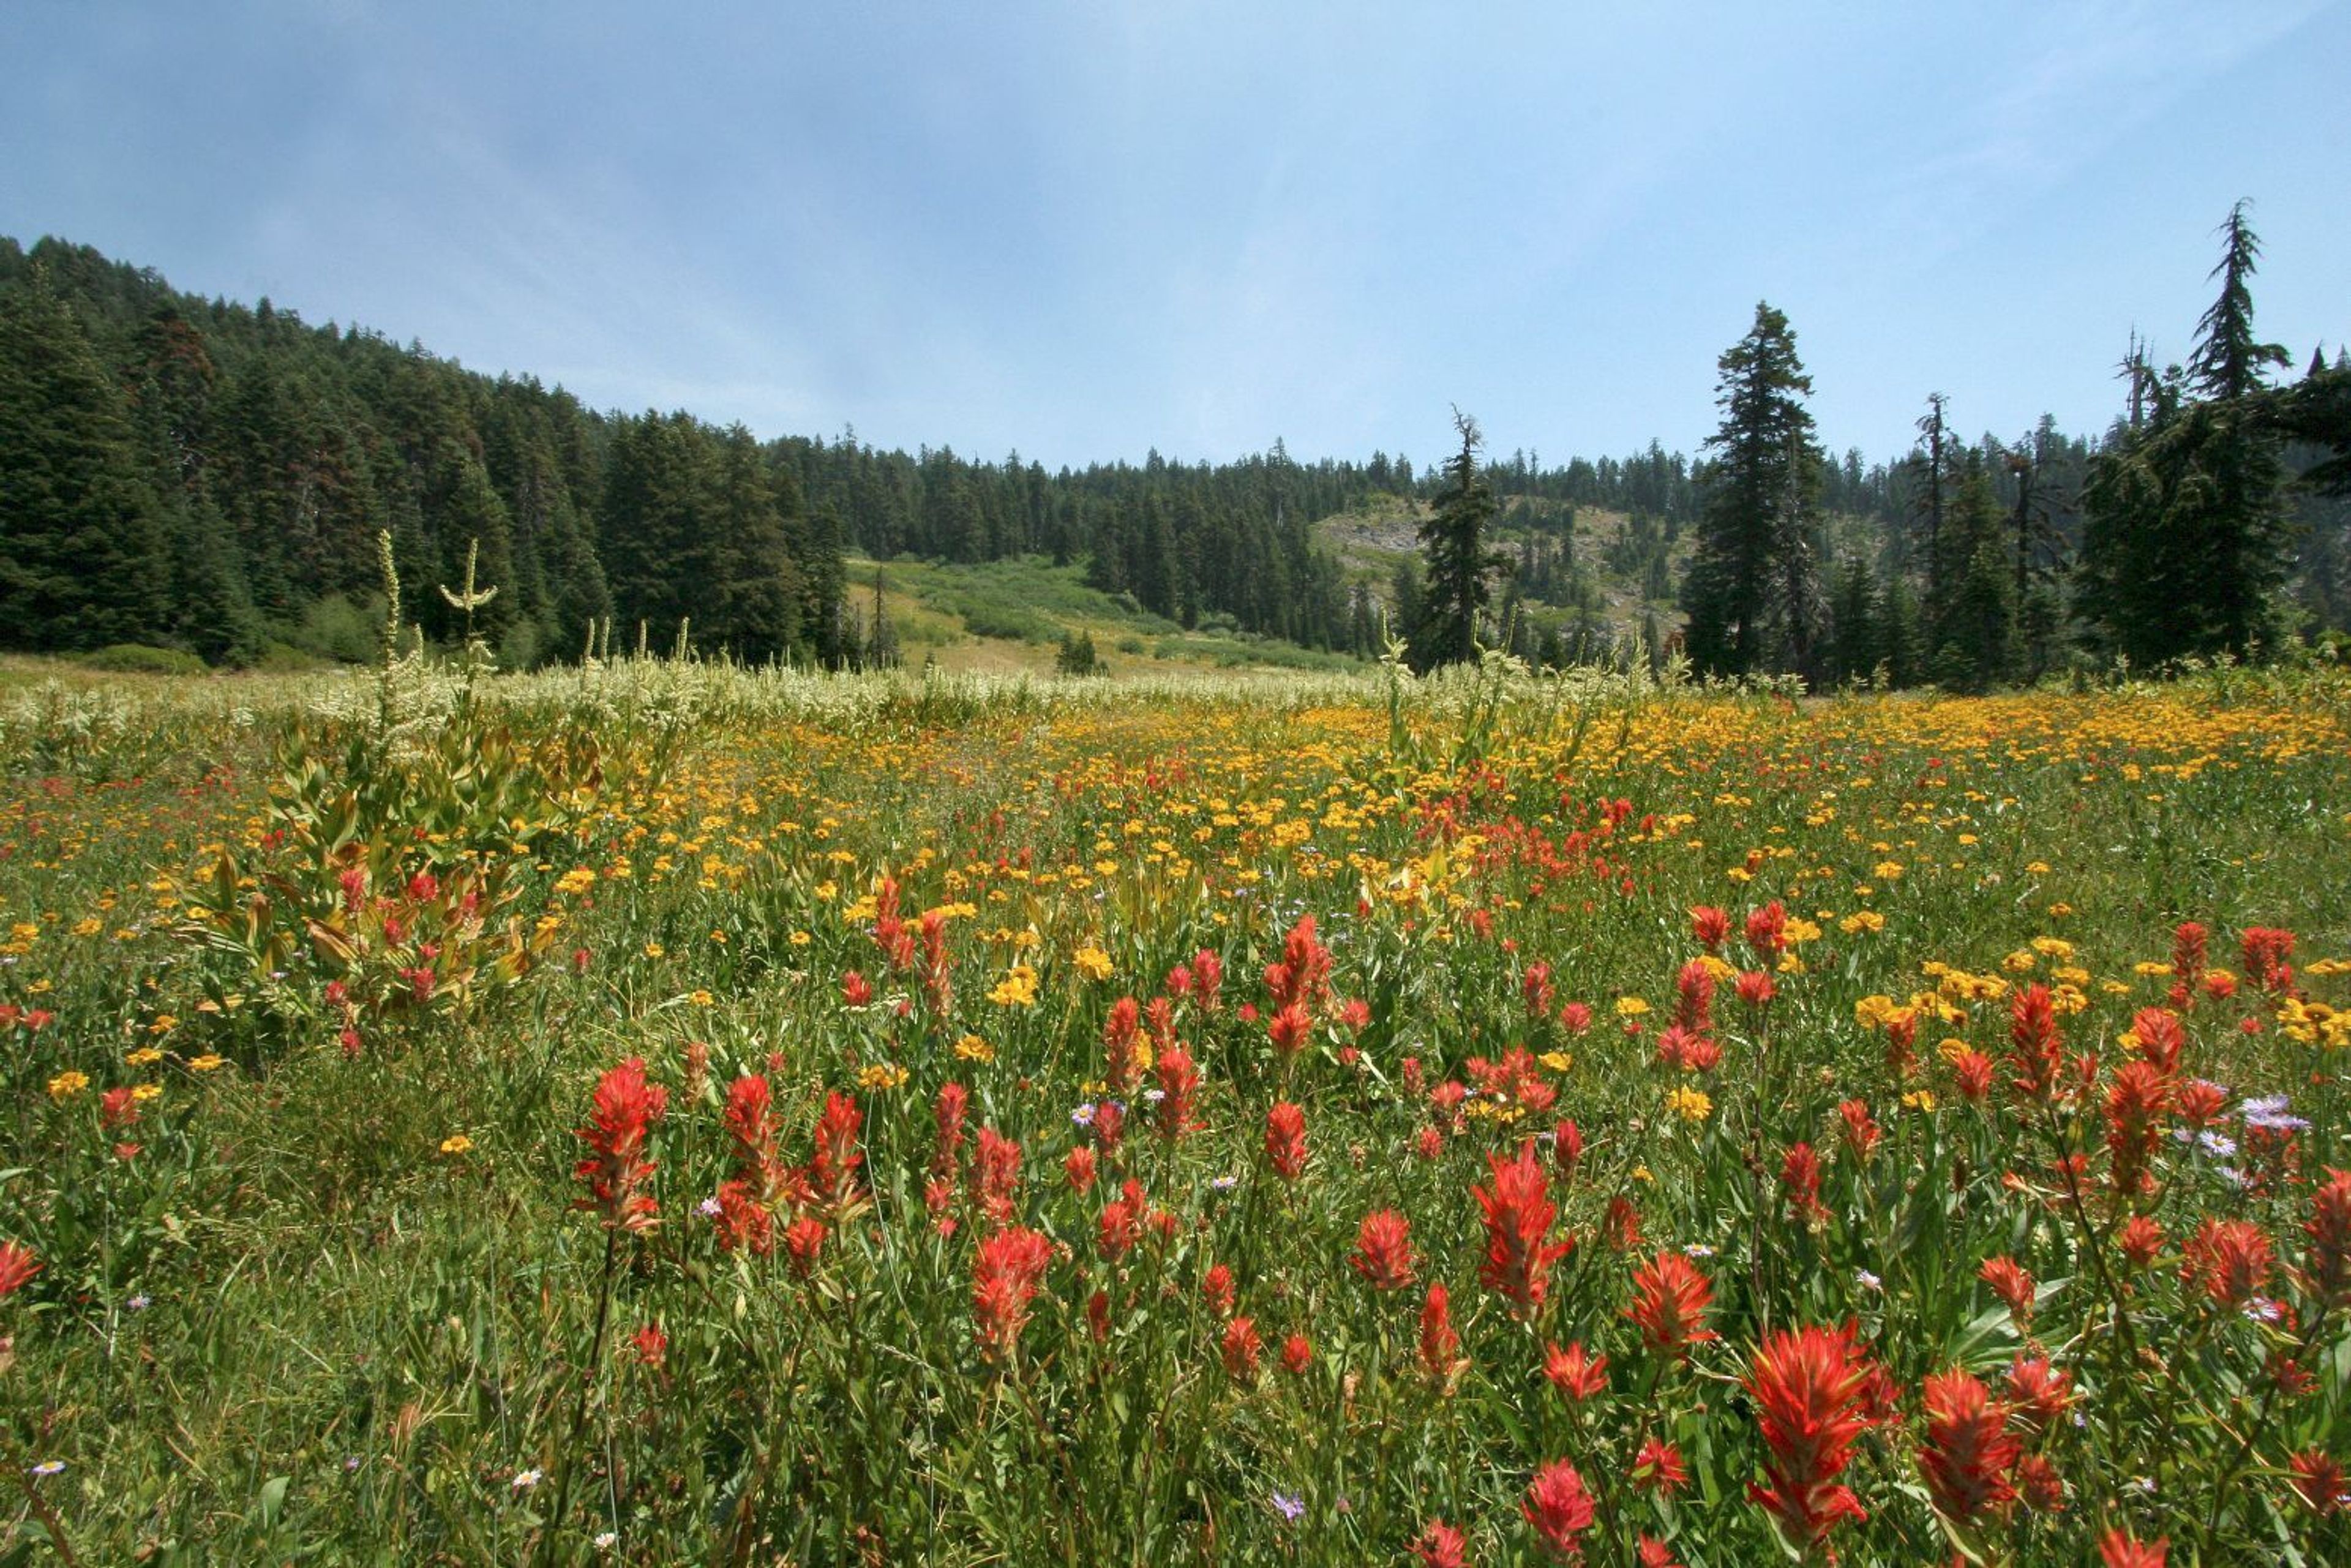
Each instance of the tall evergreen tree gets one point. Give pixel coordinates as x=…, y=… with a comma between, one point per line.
x=2184, y=519
x=1453, y=541
x=1752, y=592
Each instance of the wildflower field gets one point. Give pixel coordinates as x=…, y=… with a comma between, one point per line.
x=670, y=1114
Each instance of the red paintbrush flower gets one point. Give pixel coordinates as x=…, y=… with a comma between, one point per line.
x=1800, y=1179
x=18, y=1264
x=1240, y=1350
x=1440, y=1546
x=1440, y=1345
x=1285, y=1140
x=1535, y=986
x=2013, y=1285
x=1289, y=1029
x=1694, y=996
x=1710, y=926
x=2317, y=1480
x=1383, y=1249
x=1566, y=1150
x=2120, y=1550
x=2135, y=1103
x=802, y=1240
x=622, y=1117
x=994, y=1173
x=2141, y=1240
x=2036, y=1055
x=1120, y=1068
x=2266, y=950
x=2160, y=1038
x=2039, y=1393
x=1079, y=1166
x=1179, y=1085
x=1862, y=1136
x=1968, y=1454
x=1004, y=1280
x=1217, y=1291
x=743, y=1220
x=832, y=1169
x=1560, y=1509
x=1121, y=1229
x=1207, y=979
x=1575, y=1373
x=1297, y=1354
x=1658, y=1468
x=1518, y=1212
x=2188, y=953
x=947, y=1116
x=2325, y=1272
x=1670, y=1299
x=1809, y=1388
x=1767, y=928
x=2229, y=1261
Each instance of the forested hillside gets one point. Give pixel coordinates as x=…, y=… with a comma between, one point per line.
x=209, y=476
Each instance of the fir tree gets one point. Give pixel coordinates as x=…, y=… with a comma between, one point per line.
x=1753, y=590
x=82, y=555
x=1453, y=541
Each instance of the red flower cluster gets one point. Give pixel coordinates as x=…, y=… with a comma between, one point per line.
x=1813, y=1390
x=1383, y=1249
x=622, y=1117
x=1517, y=1213
x=1670, y=1299
x=1285, y=1140
x=1969, y=1454
x=1004, y=1280
x=1560, y=1509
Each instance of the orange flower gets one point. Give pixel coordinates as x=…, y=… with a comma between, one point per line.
x=1518, y=1212
x=2011, y=1284
x=2121, y=1550
x=1574, y=1373
x=622, y=1117
x=1670, y=1298
x=2229, y=1261
x=1968, y=1456
x=1810, y=1388
x=18, y=1264
x=1440, y=1345
x=1004, y=1280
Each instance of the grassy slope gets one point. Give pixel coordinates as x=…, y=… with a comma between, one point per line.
x=1371, y=540
x=1009, y=616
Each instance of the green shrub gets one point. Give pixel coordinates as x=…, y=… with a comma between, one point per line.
x=138, y=659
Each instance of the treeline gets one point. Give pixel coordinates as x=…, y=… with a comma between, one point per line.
x=211, y=475
x=205, y=475
x=2213, y=520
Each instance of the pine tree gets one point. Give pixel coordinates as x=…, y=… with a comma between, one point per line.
x=2183, y=520
x=1752, y=592
x=82, y=556
x=1453, y=541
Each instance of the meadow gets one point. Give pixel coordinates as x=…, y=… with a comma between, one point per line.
x=659, y=1113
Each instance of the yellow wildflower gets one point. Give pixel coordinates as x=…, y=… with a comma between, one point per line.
x=1689, y=1104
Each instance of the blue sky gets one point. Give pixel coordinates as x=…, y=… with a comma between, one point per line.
x=1087, y=229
